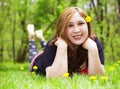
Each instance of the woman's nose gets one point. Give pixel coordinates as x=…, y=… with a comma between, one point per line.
x=76, y=29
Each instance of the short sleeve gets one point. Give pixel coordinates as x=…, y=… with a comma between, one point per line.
x=46, y=58
x=100, y=50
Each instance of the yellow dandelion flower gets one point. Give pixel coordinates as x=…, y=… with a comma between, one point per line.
x=88, y=19
x=21, y=68
x=112, y=69
x=66, y=75
x=92, y=77
x=104, y=77
x=33, y=72
x=35, y=67
x=118, y=61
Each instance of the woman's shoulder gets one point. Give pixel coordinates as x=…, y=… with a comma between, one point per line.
x=95, y=38
x=98, y=42
x=50, y=47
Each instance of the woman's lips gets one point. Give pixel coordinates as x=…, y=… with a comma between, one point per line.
x=77, y=37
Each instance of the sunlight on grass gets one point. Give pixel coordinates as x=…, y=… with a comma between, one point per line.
x=17, y=76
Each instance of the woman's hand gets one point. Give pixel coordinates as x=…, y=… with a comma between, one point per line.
x=61, y=43
x=89, y=44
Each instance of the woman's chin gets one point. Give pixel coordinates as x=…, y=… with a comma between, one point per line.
x=77, y=43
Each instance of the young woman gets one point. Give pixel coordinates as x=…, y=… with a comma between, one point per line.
x=73, y=48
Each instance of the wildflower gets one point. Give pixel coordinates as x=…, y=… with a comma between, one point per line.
x=92, y=77
x=88, y=19
x=104, y=77
x=35, y=67
x=66, y=75
x=21, y=68
x=33, y=72
x=112, y=69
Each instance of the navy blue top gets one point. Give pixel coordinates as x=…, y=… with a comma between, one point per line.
x=47, y=57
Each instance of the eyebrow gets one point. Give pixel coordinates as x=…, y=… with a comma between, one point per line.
x=77, y=21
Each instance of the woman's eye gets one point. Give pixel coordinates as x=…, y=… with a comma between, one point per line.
x=70, y=25
x=80, y=23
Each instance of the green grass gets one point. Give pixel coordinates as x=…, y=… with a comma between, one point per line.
x=17, y=76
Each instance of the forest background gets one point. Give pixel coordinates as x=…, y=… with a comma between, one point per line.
x=15, y=15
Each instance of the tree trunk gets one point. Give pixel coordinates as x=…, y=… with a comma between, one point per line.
x=23, y=49
x=1, y=52
x=1, y=29
x=118, y=8
x=99, y=16
x=13, y=38
x=73, y=2
x=21, y=54
x=112, y=48
x=95, y=10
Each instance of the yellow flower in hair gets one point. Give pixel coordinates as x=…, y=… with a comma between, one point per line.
x=65, y=74
x=88, y=19
x=35, y=67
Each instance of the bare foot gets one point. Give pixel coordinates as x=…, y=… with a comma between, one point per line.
x=39, y=35
x=30, y=28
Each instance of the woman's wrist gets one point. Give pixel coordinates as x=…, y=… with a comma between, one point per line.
x=62, y=50
x=93, y=48
x=62, y=47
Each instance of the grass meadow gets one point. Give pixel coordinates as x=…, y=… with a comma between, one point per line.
x=17, y=76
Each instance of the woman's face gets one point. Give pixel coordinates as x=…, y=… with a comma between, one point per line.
x=77, y=30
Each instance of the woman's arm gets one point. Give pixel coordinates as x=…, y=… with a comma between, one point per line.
x=60, y=64
x=94, y=65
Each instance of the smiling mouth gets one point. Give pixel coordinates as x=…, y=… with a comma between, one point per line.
x=77, y=37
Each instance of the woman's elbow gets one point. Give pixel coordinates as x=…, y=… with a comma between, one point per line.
x=96, y=73
x=102, y=70
x=99, y=71
x=48, y=72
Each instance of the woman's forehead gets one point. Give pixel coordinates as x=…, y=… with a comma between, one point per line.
x=75, y=17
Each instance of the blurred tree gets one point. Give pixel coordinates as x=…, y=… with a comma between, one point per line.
x=23, y=47
x=2, y=19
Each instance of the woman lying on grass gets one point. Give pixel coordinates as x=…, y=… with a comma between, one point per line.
x=73, y=48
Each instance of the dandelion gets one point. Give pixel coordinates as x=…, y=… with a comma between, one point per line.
x=112, y=69
x=92, y=77
x=33, y=72
x=66, y=75
x=88, y=19
x=104, y=77
x=35, y=67
x=21, y=68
